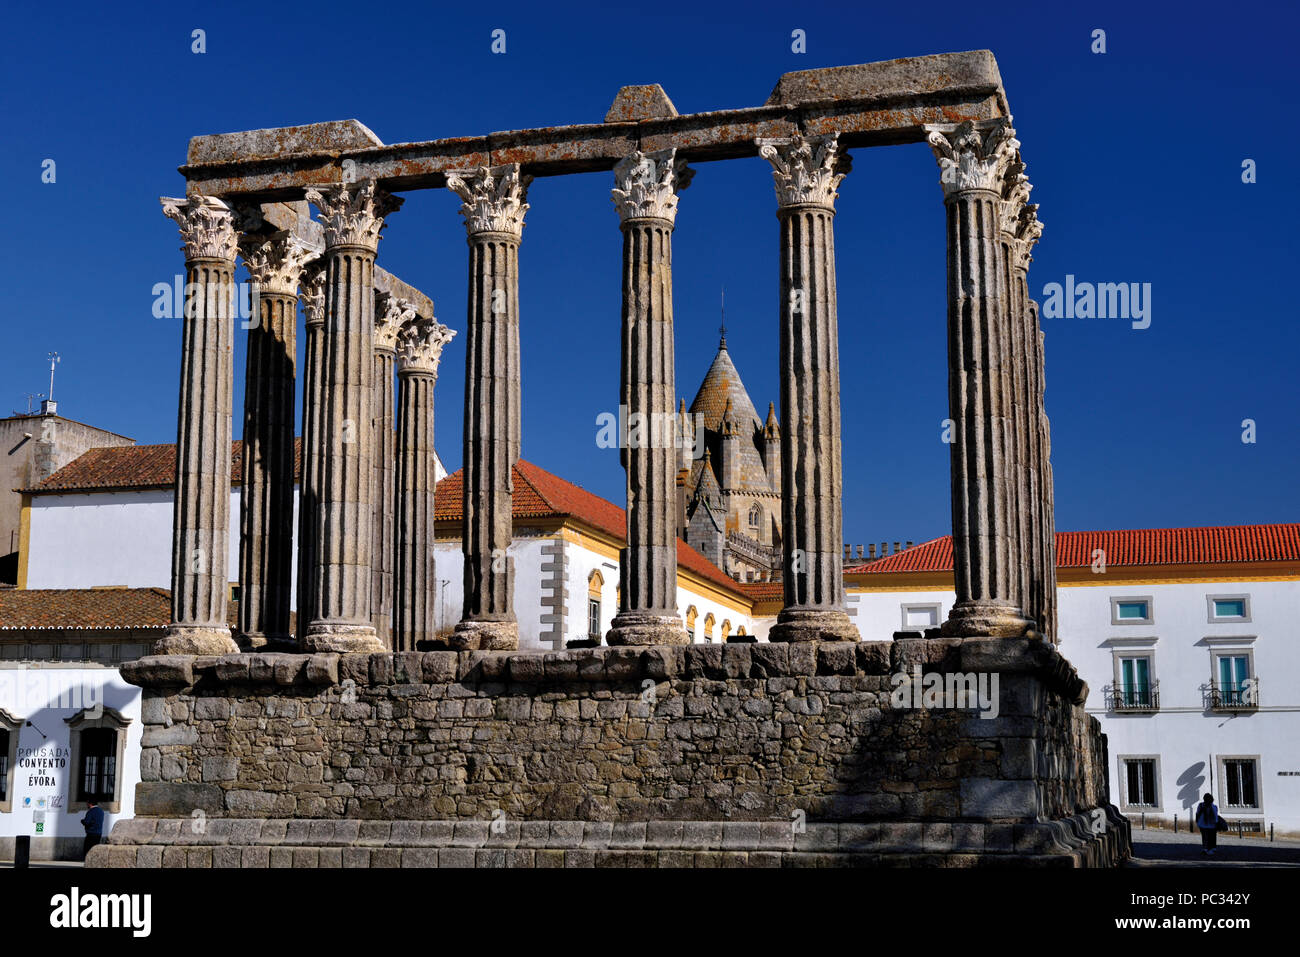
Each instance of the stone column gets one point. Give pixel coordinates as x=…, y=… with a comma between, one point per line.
x=421, y=346
x=1047, y=492
x=494, y=208
x=343, y=584
x=645, y=195
x=807, y=172
x=275, y=262
x=986, y=547
x=390, y=313
x=201, y=513
x=313, y=307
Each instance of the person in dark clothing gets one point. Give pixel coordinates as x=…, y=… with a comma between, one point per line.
x=93, y=822
x=1207, y=819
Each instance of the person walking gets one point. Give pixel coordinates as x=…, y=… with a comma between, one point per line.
x=93, y=822
x=1207, y=819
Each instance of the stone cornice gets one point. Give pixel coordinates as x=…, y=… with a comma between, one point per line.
x=419, y=347
x=806, y=170
x=493, y=198
x=275, y=262
x=647, y=185
x=973, y=157
x=207, y=227
x=391, y=314
x=353, y=215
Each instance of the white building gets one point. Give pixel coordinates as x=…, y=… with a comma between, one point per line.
x=1188, y=640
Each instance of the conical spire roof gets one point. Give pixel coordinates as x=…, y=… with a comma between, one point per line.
x=722, y=383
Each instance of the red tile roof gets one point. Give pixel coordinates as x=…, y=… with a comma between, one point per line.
x=540, y=494
x=1219, y=544
x=764, y=591
x=136, y=466
x=84, y=608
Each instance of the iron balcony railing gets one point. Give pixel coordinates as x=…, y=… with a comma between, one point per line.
x=1234, y=696
x=1138, y=698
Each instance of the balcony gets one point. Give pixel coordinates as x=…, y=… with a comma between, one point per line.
x=1233, y=698
x=1142, y=699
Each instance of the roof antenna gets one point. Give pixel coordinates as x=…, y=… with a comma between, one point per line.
x=722, y=330
x=54, y=360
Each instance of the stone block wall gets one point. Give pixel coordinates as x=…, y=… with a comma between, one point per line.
x=714, y=733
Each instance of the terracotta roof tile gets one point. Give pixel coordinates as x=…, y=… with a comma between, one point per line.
x=136, y=466
x=540, y=494
x=84, y=608
x=1147, y=546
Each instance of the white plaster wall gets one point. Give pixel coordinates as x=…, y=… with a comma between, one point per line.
x=47, y=696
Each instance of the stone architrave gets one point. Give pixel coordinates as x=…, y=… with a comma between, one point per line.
x=390, y=314
x=352, y=217
x=420, y=346
x=645, y=194
x=494, y=207
x=201, y=512
x=313, y=307
x=807, y=172
x=987, y=552
x=275, y=263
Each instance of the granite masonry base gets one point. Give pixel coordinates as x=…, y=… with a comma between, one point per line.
x=813, y=624
x=484, y=635
x=707, y=755
x=641, y=629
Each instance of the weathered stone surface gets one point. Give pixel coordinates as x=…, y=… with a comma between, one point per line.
x=171, y=799
x=634, y=103
x=158, y=671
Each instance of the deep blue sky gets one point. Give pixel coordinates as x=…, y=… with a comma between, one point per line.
x=1135, y=156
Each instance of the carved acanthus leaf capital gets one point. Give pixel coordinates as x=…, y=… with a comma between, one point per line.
x=275, y=262
x=1015, y=195
x=313, y=294
x=973, y=157
x=493, y=198
x=806, y=170
x=391, y=314
x=353, y=214
x=1027, y=231
x=207, y=226
x=647, y=185
x=419, y=345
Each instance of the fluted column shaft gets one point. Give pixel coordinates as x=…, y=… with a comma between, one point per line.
x=416, y=579
x=1047, y=493
x=807, y=172
x=987, y=549
x=309, y=472
x=384, y=472
x=494, y=210
x=201, y=512
x=645, y=194
x=266, y=496
x=344, y=528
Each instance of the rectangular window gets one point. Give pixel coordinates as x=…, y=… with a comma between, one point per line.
x=1140, y=774
x=593, y=618
x=1239, y=777
x=98, y=764
x=4, y=765
x=920, y=616
x=1135, y=682
x=1229, y=608
x=1131, y=610
x=1234, y=670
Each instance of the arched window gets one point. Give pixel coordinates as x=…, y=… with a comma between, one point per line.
x=740, y=630
x=726, y=628
x=756, y=516
x=595, y=582
x=691, y=615
x=708, y=626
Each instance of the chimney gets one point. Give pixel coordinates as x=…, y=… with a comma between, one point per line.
x=49, y=407
x=896, y=548
x=909, y=545
x=871, y=551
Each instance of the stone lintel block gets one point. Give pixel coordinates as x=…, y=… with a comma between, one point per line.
x=408, y=667
x=704, y=661
x=769, y=660
x=633, y=103
x=274, y=143
x=160, y=671
x=737, y=660
x=136, y=830
x=161, y=799
x=290, y=669
x=803, y=658
x=995, y=799
x=622, y=663
x=560, y=666
x=906, y=78
x=354, y=667
x=663, y=661
x=529, y=668
x=479, y=667
x=440, y=666
x=323, y=669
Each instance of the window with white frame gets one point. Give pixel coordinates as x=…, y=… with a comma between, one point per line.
x=97, y=741
x=1131, y=611
x=1141, y=782
x=9, y=728
x=1135, y=681
x=920, y=615
x=1227, y=608
x=1233, y=678
x=1240, y=777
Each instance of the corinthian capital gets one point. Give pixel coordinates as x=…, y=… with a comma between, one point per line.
x=1027, y=231
x=313, y=295
x=353, y=215
x=419, y=346
x=647, y=185
x=1015, y=195
x=276, y=261
x=973, y=157
x=493, y=198
x=391, y=314
x=207, y=226
x=807, y=171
